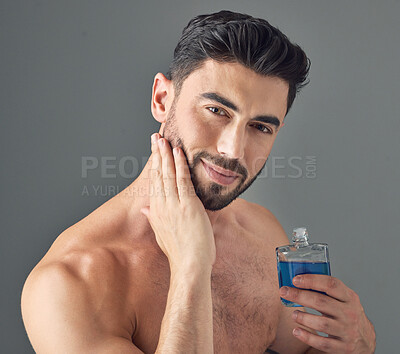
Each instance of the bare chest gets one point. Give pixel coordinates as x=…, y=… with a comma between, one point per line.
x=245, y=304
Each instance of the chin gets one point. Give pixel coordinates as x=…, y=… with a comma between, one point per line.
x=216, y=196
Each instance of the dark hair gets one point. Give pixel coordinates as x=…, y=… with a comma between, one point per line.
x=227, y=36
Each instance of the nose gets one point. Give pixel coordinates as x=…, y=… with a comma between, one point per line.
x=231, y=142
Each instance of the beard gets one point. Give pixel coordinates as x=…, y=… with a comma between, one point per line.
x=212, y=195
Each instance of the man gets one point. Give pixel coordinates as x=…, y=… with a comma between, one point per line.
x=176, y=263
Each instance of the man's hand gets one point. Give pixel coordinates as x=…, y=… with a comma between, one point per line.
x=178, y=218
x=184, y=233
x=343, y=317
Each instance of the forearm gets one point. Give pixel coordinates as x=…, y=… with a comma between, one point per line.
x=187, y=326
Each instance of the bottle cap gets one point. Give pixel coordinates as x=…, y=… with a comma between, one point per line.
x=300, y=234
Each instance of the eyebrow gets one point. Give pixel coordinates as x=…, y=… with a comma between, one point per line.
x=224, y=101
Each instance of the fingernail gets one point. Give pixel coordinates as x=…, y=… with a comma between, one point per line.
x=294, y=314
x=153, y=138
x=161, y=142
x=175, y=151
x=296, y=332
x=297, y=280
x=283, y=290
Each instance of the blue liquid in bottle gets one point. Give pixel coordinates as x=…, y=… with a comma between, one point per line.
x=288, y=270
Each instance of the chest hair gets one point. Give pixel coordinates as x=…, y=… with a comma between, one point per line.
x=245, y=303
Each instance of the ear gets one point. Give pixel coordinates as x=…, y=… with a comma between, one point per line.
x=161, y=98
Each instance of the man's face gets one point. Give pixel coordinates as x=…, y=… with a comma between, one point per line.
x=226, y=119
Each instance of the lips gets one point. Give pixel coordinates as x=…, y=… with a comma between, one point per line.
x=218, y=174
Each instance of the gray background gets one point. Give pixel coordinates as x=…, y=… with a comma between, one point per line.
x=76, y=81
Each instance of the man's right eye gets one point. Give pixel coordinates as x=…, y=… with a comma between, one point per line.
x=215, y=110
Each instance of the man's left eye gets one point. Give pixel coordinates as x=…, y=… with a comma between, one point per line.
x=263, y=128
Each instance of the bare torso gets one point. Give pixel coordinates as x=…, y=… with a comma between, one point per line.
x=128, y=275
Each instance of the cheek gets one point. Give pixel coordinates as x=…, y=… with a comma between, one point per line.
x=199, y=130
x=257, y=156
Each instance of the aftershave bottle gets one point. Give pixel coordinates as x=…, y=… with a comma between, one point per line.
x=301, y=257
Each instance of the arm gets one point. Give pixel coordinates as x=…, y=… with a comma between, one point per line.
x=187, y=323
x=285, y=341
x=60, y=315
x=184, y=233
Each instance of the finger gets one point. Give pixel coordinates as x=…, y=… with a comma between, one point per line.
x=325, y=283
x=156, y=181
x=319, y=323
x=325, y=344
x=168, y=170
x=183, y=180
x=320, y=302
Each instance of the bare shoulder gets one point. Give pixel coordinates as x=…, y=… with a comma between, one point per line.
x=76, y=302
x=260, y=221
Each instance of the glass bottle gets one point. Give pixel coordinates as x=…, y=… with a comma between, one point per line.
x=301, y=257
